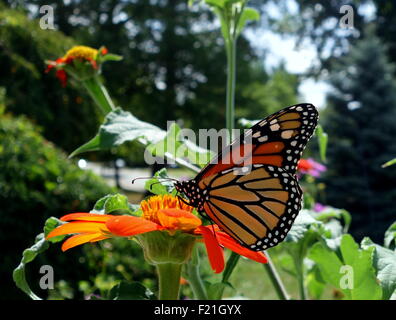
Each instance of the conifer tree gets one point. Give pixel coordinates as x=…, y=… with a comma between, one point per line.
x=361, y=123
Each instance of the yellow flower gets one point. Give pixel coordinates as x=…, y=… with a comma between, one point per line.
x=152, y=211
x=81, y=52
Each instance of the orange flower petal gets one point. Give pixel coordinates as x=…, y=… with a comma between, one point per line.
x=86, y=217
x=78, y=227
x=226, y=241
x=215, y=252
x=126, y=226
x=178, y=219
x=81, y=239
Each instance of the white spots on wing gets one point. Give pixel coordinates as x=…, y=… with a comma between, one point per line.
x=287, y=134
x=263, y=123
x=263, y=139
x=275, y=127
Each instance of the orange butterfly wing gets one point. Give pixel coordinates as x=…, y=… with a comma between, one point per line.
x=277, y=140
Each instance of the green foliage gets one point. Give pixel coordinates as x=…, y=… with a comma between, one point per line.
x=31, y=253
x=23, y=50
x=360, y=122
x=113, y=204
x=390, y=237
x=389, y=163
x=385, y=265
x=121, y=126
x=130, y=291
x=362, y=284
x=36, y=182
x=322, y=138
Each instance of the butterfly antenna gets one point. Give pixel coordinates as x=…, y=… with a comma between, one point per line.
x=158, y=178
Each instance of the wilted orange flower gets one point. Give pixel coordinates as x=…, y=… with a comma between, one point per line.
x=160, y=213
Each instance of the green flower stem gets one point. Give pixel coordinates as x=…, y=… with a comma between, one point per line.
x=169, y=280
x=194, y=278
x=230, y=266
x=99, y=94
x=275, y=279
x=300, y=278
x=230, y=98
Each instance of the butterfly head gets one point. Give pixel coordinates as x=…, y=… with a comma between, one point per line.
x=191, y=190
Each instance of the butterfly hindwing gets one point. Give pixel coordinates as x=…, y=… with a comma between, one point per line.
x=256, y=209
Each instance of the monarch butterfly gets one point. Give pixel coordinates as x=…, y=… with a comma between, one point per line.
x=257, y=203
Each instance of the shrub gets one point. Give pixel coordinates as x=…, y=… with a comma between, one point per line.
x=36, y=181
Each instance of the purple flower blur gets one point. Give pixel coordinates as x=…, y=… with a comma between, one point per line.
x=311, y=167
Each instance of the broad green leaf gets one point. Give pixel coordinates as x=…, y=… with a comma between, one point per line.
x=365, y=282
x=385, y=264
x=248, y=14
x=389, y=163
x=31, y=253
x=390, y=237
x=360, y=263
x=328, y=263
x=322, y=138
x=130, y=291
x=120, y=126
x=177, y=146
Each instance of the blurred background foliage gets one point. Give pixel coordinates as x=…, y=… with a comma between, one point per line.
x=174, y=68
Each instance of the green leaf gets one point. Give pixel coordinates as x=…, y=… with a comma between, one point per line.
x=365, y=285
x=112, y=203
x=328, y=263
x=216, y=3
x=301, y=226
x=322, y=138
x=215, y=290
x=111, y=57
x=315, y=284
x=390, y=237
x=179, y=147
x=389, y=163
x=130, y=291
x=331, y=212
x=31, y=253
x=159, y=184
x=385, y=264
x=248, y=14
x=120, y=126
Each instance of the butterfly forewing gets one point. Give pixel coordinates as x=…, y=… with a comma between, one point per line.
x=277, y=140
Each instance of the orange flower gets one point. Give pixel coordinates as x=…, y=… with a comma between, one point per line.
x=160, y=213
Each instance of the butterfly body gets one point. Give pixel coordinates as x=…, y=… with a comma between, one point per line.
x=250, y=189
